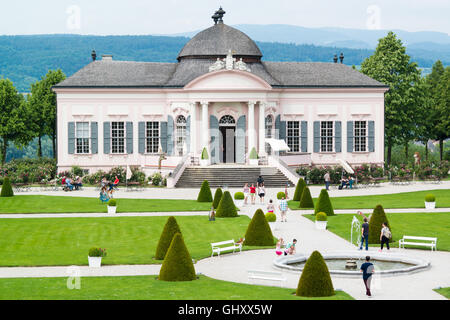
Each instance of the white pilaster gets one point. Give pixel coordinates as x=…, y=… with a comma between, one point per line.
x=205, y=124
x=262, y=128
x=251, y=126
x=193, y=107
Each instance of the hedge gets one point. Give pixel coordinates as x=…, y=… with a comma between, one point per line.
x=315, y=280
x=258, y=231
x=226, y=208
x=377, y=218
x=177, y=265
x=324, y=204
x=301, y=185
x=306, y=201
x=205, y=194
x=217, y=196
x=7, y=190
x=170, y=229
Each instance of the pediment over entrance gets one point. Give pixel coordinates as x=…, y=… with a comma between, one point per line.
x=227, y=80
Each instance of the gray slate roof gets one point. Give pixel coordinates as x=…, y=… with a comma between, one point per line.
x=217, y=40
x=150, y=74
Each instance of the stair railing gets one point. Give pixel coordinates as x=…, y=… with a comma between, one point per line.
x=178, y=171
x=289, y=172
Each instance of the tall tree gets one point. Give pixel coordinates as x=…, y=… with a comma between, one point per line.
x=391, y=65
x=43, y=106
x=13, y=118
x=442, y=127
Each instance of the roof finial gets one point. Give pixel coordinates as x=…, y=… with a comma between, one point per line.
x=219, y=15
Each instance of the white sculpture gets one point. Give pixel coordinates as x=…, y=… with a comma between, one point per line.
x=229, y=63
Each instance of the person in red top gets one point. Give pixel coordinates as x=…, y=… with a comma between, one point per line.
x=112, y=186
x=253, y=193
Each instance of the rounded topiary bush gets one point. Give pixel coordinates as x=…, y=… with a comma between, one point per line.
x=170, y=229
x=321, y=216
x=430, y=198
x=217, y=196
x=377, y=218
x=315, y=280
x=281, y=195
x=271, y=217
x=301, y=185
x=177, y=265
x=239, y=196
x=112, y=203
x=306, y=201
x=324, y=204
x=7, y=190
x=226, y=208
x=258, y=231
x=205, y=194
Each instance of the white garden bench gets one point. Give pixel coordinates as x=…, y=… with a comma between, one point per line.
x=218, y=247
x=431, y=242
x=266, y=275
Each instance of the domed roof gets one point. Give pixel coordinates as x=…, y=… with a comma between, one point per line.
x=217, y=41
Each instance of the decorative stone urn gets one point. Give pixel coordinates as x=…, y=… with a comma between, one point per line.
x=112, y=210
x=430, y=205
x=321, y=225
x=95, y=262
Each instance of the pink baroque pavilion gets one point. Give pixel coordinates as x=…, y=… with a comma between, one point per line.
x=221, y=96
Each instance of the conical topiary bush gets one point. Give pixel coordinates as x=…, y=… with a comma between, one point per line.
x=377, y=218
x=217, y=197
x=306, y=201
x=177, y=265
x=301, y=185
x=315, y=280
x=205, y=194
x=170, y=229
x=258, y=231
x=226, y=207
x=7, y=190
x=323, y=204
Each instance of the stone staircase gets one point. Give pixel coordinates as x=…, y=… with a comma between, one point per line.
x=231, y=176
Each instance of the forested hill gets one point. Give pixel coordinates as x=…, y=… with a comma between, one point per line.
x=25, y=59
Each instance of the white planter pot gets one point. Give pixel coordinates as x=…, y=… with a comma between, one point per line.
x=321, y=225
x=253, y=162
x=238, y=203
x=95, y=262
x=430, y=205
x=112, y=210
x=204, y=162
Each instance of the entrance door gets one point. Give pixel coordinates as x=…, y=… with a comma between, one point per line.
x=228, y=144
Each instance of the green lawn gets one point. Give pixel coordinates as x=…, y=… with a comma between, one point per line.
x=436, y=224
x=128, y=240
x=397, y=200
x=145, y=288
x=62, y=204
x=444, y=291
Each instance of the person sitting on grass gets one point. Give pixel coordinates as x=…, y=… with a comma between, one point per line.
x=104, y=195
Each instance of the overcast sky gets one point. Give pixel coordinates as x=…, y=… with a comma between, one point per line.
x=111, y=17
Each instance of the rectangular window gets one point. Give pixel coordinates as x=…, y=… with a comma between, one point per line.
x=82, y=137
x=118, y=137
x=360, y=136
x=152, y=136
x=293, y=135
x=326, y=136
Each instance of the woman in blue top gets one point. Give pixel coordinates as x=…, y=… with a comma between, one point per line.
x=367, y=269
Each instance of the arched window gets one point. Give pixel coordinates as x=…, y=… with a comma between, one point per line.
x=269, y=132
x=180, y=135
x=227, y=121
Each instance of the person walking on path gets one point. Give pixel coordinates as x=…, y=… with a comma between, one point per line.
x=367, y=269
x=283, y=209
x=326, y=177
x=246, y=193
x=270, y=207
x=253, y=193
x=261, y=193
x=365, y=234
x=385, y=235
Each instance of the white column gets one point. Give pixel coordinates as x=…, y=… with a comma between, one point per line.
x=251, y=126
x=193, y=129
x=262, y=128
x=205, y=124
